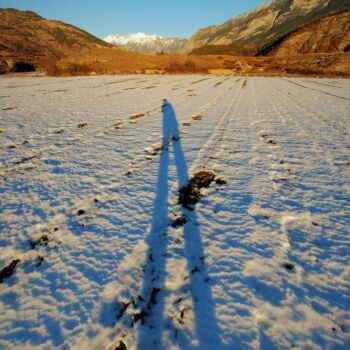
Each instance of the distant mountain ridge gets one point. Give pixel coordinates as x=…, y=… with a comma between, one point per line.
x=252, y=32
x=27, y=37
x=142, y=42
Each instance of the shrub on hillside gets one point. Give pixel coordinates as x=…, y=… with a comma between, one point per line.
x=186, y=67
x=77, y=69
x=71, y=70
x=61, y=37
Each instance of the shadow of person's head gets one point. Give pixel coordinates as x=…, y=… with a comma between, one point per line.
x=170, y=124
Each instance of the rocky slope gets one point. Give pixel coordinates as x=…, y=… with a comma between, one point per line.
x=329, y=34
x=27, y=37
x=250, y=33
x=146, y=43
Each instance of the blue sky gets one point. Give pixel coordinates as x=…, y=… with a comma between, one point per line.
x=177, y=18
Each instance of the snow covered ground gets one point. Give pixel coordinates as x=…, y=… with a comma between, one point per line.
x=97, y=253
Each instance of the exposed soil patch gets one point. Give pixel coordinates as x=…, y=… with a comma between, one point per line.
x=121, y=346
x=59, y=131
x=288, y=266
x=81, y=125
x=40, y=261
x=41, y=241
x=221, y=180
x=157, y=149
x=53, y=91
x=180, y=221
x=141, y=316
x=197, y=117
x=155, y=292
x=8, y=270
x=195, y=270
x=189, y=195
x=137, y=116
x=118, y=126
x=122, y=310
x=154, y=151
x=182, y=314
x=199, y=81
x=26, y=159
x=118, y=81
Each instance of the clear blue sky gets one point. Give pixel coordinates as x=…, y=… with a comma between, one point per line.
x=177, y=18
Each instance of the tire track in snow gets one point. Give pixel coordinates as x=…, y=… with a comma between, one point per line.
x=285, y=220
x=72, y=127
x=309, y=224
x=112, y=128
x=322, y=83
x=340, y=128
x=89, y=203
x=315, y=146
x=174, y=201
x=311, y=135
x=320, y=91
x=78, y=257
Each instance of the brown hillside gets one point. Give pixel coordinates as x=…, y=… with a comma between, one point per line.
x=116, y=61
x=252, y=32
x=329, y=34
x=64, y=50
x=27, y=37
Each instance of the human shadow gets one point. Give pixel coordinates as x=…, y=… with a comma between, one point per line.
x=152, y=322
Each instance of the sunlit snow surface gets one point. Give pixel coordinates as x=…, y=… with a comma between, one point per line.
x=76, y=168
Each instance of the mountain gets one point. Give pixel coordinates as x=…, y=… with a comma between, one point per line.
x=146, y=43
x=251, y=33
x=28, y=38
x=329, y=34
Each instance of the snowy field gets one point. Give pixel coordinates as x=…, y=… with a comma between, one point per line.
x=96, y=252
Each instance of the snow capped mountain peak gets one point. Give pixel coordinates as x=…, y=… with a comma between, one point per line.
x=146, y=43
x=142, y=36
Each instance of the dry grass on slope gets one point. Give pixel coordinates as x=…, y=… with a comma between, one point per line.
x=116, y=61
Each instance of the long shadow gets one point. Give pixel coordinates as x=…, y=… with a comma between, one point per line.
x=153, y=297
